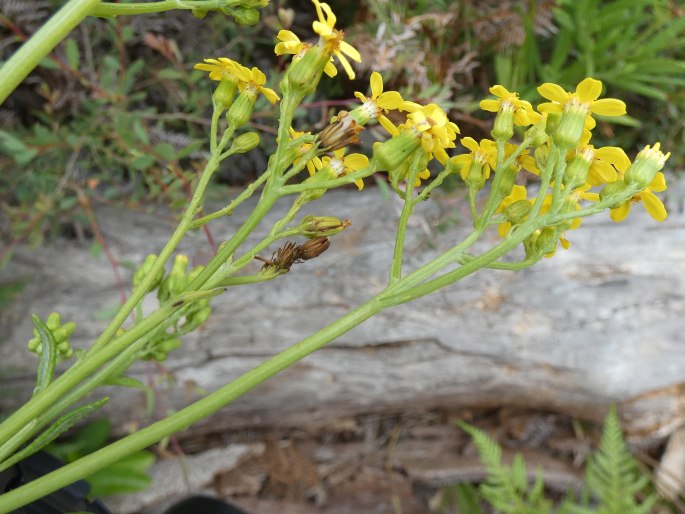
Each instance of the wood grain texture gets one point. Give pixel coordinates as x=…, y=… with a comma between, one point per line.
x=602, y=322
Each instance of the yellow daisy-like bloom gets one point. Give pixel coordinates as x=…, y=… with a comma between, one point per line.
x=524, y=160
x=254, y=80
x=221, y=68
x=584, y=99
x=517, y=193
x=604, y=162
x=381, y=101
x=312, y=164
x=524, y=114
x=332, y=39
x=291, y=44
x=437, y=132
x=483, y=153
x=652, y=204
x=345, y=164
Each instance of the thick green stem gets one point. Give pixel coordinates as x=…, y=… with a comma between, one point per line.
x=42, y=43
x=187, y=416
x=398, y=252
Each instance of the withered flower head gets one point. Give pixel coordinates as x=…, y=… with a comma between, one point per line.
x=314, y=248
x=342, y=132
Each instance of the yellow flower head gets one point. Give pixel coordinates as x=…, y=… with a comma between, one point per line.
x=604, y=162
x=381, y=101
x=652, y=204
x=584, y=99
x=221, y=68
x=332, y=39
x=436, y=131
x=253, y=80
x=524, y=114
x=312, y=164
x=345, y=164
x=291, y=44
x=483, y=154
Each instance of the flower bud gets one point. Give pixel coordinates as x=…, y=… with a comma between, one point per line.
x=318, y=226
x=222, y=98
x=537, y=134
x=507, y=181
x=53, y=321
x=645, y=167
x=394, y=152
x=245, y=142
x=241, y=110
x=517, y=211
x=552, y=123
x=576, y=172
x=475, y=178
x=177, y=280
x=142, y=271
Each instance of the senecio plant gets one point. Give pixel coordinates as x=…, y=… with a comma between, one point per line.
x=575, y=180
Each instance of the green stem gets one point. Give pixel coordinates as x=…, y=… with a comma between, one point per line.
x=329, y=184
x=24, y=60
x=407, y=208
x=187, y=416
x=110, y=9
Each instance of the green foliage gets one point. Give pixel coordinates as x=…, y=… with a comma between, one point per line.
x=613, y=482
x=506, y=487
x=128, y=475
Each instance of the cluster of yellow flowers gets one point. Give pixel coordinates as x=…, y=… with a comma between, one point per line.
x=564, y=123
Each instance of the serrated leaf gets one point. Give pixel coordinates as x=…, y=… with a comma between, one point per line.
x=73, y=54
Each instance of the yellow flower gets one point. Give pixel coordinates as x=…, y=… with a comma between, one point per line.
x=604, y=162
x=584, y=99
x=312, y=164
x=221, y=68
x=650, y=201
x=523, y=160
x=345, y=164
x=524, y=114
x=517, y=193
x=437, y=132
x=380, y=101
x=332, y=39
x=254, y=80
x=291, y=44
x=483, y=153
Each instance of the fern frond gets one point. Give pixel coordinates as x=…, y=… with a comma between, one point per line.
x=613, y=476
x=506, y=487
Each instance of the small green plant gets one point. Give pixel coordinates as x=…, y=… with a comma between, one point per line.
x=613, y=482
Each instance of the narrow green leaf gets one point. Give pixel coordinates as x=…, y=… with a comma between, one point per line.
x=55, y=430
x=124, y=381
x=73, y=54
x=48, y=355
x=141, y=132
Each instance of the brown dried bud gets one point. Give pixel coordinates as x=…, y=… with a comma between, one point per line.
x=342, y=132
x=314, y=248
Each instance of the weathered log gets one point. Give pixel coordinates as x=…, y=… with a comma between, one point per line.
x=599, y=323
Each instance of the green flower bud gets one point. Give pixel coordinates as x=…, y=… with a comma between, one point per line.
x=394, y=152
x=506, y=183
x=541, y=155
x=222, y=98
x=33, y=344
x=475, y=178
x=53, y=321
x=537, y=134
x=318, y=226
x=517, y=211
x=576, y=172
x=245, y=142
x=240, y=111
x=645, y=167
x=552, y=123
